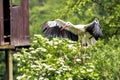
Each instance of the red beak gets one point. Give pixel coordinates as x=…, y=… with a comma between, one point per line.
x=64, y=27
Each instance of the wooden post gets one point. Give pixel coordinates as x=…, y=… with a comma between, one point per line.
x=9, y=64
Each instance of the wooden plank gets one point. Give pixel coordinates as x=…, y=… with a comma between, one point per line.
x=25, y=10
x=20, y=24
x=1, y=23
x=16, y=24
x=4, y=47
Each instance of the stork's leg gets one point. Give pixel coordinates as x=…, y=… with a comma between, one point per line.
x=83, y=56
x=83, y=59
x=81, y=44
x=80, y=41
x=81, y=47
x=75, y=58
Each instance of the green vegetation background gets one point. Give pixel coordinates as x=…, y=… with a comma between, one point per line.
x=82, y=12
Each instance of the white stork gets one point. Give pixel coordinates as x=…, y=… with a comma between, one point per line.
x=88, y=33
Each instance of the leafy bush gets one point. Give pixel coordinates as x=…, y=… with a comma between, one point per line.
x=61, y=59
x=106, y=58
x=56, y=59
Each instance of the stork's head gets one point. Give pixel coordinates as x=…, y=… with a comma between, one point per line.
x=67, y=24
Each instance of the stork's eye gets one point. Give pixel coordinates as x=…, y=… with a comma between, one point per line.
x=68, y=23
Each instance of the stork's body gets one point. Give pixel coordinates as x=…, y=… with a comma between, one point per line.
x=88, y=33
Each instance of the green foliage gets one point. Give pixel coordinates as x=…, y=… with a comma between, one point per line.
x=55, y=60
x=83, y=11
x=78, y=12
x=42, y=11
x=106, y=58
x=2, y=65
x=16, y=2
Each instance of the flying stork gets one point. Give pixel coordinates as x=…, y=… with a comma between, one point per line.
x=87, y=33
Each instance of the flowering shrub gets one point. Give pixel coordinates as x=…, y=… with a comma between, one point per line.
x=63, y=59
x=56, y=59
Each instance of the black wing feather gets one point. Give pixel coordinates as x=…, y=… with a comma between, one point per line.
x=94, y=29
x=57, y=32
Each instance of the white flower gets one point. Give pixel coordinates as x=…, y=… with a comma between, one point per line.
x=51, y=69
x=59, y=72
x=18, y=58
x=70, y=79
x=78, y=60
x=28, y=77
x=61, y=61
x=18, y=64
x=89, y=70
x=92, y=66
x=33, y=66
x=70, y=46
x=35, y=41
x=50, y=43
x=66, y=57
x=27, y=53
x=56, y=43
x=43, y=64
x=33, y=51
x=41, y=49
x=60, y=41
x=65, y=69
x=55, y=47
x=49, y=55
x=41, y=78
x=20, y=77
x=37, y=62
x=83, y=67
x=31, y=48
x=46, y=79
x=82, y=71
x=15, y=55
x=23, y=60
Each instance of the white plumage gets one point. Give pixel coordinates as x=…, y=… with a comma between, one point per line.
x=87, y=33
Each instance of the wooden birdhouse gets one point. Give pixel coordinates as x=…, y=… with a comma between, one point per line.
x=14, y=29
x=14, y=23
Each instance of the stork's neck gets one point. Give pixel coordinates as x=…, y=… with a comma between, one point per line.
x=72, y=25
x=79, y=27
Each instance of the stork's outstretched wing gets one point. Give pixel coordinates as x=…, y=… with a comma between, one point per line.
x=94, y=29
x=53, y=29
